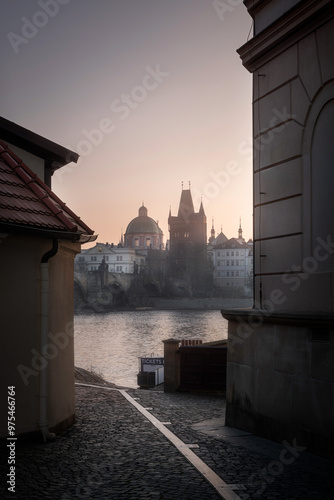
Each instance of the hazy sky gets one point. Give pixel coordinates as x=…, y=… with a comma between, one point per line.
x=150, y=93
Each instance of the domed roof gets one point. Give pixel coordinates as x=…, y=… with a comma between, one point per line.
x=143, y=224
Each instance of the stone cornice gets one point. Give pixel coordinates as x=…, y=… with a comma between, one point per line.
x=255, y=5
x=259, y=316
x=286, y=31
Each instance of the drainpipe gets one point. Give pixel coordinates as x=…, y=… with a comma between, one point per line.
x=44, y=326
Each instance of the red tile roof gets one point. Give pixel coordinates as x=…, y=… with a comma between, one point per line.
x=26, y=201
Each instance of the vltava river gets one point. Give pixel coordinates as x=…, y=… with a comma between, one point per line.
x=111, y=343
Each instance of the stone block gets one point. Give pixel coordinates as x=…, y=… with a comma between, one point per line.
x=235, y=352
x=312, y=406
x=230, y=369
x=309, y=70
x=242, y=387
x=264, y=347
x=249, y=345
x=292, y=351
x=280, y=181
x=279, y=254
x=278, y=145
x=302, y=292
x=274, y=394
x=272, y=109
x=278, y=219
x=325, y=39
x=276, y=72
x=322, y=354
x=300, y=102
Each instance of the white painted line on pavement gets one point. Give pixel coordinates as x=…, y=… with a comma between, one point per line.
x=225, y=490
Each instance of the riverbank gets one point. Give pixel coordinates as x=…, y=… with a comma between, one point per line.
x=212, y=303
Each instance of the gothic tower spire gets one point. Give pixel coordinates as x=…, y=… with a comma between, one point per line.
x=240, y=231
x=213, y=232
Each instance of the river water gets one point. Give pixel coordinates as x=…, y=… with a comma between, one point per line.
x=111, y=343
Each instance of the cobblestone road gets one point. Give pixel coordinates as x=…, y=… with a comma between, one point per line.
x=113, y=451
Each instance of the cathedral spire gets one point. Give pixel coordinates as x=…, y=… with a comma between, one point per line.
x=213, y=232
x=240, y=231
x=201, y=209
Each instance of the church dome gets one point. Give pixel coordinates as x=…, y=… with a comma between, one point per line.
x=143, y=223
x=143, y=232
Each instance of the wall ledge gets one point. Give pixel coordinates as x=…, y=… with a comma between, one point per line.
x=299, y=319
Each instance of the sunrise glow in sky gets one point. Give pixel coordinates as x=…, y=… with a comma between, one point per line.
x=150, y=93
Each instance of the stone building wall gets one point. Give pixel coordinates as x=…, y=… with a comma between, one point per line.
x=280, y=373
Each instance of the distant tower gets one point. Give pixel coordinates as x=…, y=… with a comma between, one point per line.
x=240, y=238
x=188, y=242
x=213, y=232
x=188, y=227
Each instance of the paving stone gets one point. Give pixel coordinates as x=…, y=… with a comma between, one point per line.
x=114, y=452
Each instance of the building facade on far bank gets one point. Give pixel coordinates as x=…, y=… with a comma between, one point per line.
x=115, y=258
x=232, y=263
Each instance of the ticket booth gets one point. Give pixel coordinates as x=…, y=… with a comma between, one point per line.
x=151, y=372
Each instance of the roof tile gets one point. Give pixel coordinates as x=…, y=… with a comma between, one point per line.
x=26, y=200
